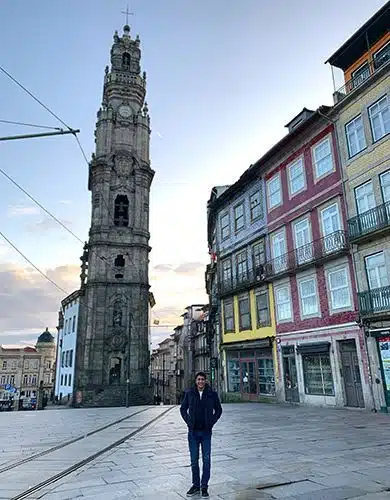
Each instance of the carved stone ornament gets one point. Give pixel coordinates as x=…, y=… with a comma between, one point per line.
x=117, y=341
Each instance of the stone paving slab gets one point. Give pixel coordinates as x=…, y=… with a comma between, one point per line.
x=323, y=454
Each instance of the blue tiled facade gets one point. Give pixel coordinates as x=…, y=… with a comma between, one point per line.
x=251, y=228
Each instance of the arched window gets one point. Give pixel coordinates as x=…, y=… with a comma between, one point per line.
x=119, y=264
x=117, y=315
x=126, y=60
x=115, y=371
x=121, y=211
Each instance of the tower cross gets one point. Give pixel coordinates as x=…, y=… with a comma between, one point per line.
x=128, y=13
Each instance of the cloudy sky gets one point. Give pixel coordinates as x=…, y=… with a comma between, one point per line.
x=223, y=79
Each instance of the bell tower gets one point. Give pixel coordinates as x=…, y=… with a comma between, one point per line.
x=112, y=358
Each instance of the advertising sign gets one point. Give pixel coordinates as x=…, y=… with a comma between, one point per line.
x=384, y=349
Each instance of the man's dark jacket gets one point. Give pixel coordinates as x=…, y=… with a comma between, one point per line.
x=210, y=405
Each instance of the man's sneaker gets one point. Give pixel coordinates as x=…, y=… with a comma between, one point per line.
x=193, y=491
x=205, y=493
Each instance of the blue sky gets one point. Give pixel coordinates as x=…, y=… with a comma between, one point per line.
x=223, y=80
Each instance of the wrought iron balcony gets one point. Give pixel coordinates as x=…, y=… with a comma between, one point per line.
x=241, y=282
x=315, y=252
x=363, y=225
x=368, y=71
x=374, y=302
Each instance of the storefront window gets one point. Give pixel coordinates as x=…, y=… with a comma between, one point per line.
x=244, y=312
x=318, y=374
x=266, y=376
x=233, y=375
x=384, y=348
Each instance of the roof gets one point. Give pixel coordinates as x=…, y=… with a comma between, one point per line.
x=70, y=298
x=254, y=170
x=356, y=45
x=45, y=337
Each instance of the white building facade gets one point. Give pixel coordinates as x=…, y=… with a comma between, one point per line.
x=66, y=350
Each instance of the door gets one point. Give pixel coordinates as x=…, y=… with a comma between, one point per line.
x=279, y=252
x=378, y=282
x=365, y=202
x=330, y=220
x=303, y=245
x=290, y=378
x=351, y=375
x=248, y=380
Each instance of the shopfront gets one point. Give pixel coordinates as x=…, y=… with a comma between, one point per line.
x=382, y=344
x=250, y=370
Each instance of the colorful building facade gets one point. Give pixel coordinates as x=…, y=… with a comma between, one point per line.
x=362, y=114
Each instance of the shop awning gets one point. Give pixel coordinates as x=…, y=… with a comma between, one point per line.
x=315, y=348
x=252, y=344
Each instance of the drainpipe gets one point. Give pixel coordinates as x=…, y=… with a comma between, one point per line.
x=334, y=123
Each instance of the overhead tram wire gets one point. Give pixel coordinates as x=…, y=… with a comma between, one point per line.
x=77, y=140
x=10, y=122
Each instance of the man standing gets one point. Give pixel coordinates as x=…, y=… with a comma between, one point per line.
x=200, y=410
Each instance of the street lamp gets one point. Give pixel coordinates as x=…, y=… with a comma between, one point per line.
x=128, y=363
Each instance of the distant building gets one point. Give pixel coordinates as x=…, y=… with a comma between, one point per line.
x=362, y=114
x=66, y=347
x=24, y=370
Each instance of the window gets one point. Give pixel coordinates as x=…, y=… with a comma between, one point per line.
x=382, y=56
x=126, y=60
x=385, y=185
x=115, y=371
x=242, y=266
x=274, y=192
x=25, y=379
x=365, y=199
x=62, y=379
x=244, y=312
x=266, y=376
x=255, y=207
x=308, y=297
x=66, y=358
x=66, y=380
x=262, y=309
x=121, y=211
x=360, y=75
x=227, y=271
x=119, y=263
x=71, y=358
x=296, y=175
x=330, y=221
x=228, y=315
x=34, y=380
x=12, y=379
x=70, y=380
x=355, y=136
x=74, y=324
x=239, y=220
x=323, y=161
x=234, y=375
x=376, y=271
x=225, y=226
x=317, y=373
x=380, y=118
x=66, y=327
x=2, y=380
x=340, y=295
x=283, y=304
x=4, y=365
x=258, y=254
x=13, y=364
x=63, y=359
x=278, y=246
x=303, y=245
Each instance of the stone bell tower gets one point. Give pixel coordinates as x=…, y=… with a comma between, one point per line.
x=112, y=357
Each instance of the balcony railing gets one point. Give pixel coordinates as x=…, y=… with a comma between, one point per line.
x=366, y=73
x=242, y=281
x=376, y=301
x=307, y=255
x=375, y=219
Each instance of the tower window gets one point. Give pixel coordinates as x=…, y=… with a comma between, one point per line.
x=121, y=211
x=119, y=263
x=96, y=200
x=117, y=314
x=126, y=60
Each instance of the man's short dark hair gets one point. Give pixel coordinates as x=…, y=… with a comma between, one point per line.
x=200, y=374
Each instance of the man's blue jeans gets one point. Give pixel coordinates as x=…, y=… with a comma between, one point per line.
x=202, y=438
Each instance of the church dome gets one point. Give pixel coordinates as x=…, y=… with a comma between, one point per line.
x=46, y=337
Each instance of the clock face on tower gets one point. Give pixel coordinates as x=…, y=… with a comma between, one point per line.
x=125, y=111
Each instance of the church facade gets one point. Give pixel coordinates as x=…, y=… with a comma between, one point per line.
x=112, y=354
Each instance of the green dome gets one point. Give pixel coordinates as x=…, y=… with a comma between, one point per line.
x=45, y=337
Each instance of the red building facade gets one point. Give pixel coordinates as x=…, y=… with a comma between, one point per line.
x=321, y=350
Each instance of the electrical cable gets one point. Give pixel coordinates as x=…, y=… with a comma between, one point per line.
x=30, y=125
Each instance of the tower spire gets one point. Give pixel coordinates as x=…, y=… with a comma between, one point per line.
x=127, y=14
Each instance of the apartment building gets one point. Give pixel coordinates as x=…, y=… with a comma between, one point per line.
x=362, y=114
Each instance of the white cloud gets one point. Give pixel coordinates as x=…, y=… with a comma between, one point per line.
x=22, y=210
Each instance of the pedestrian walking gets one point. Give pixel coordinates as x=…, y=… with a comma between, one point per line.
x=200, y=410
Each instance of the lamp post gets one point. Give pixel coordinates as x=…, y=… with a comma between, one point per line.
x=128, y=364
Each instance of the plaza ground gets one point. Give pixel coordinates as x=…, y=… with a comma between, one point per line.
x=259, y=452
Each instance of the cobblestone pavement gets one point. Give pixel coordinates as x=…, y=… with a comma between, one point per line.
x=259, y=452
